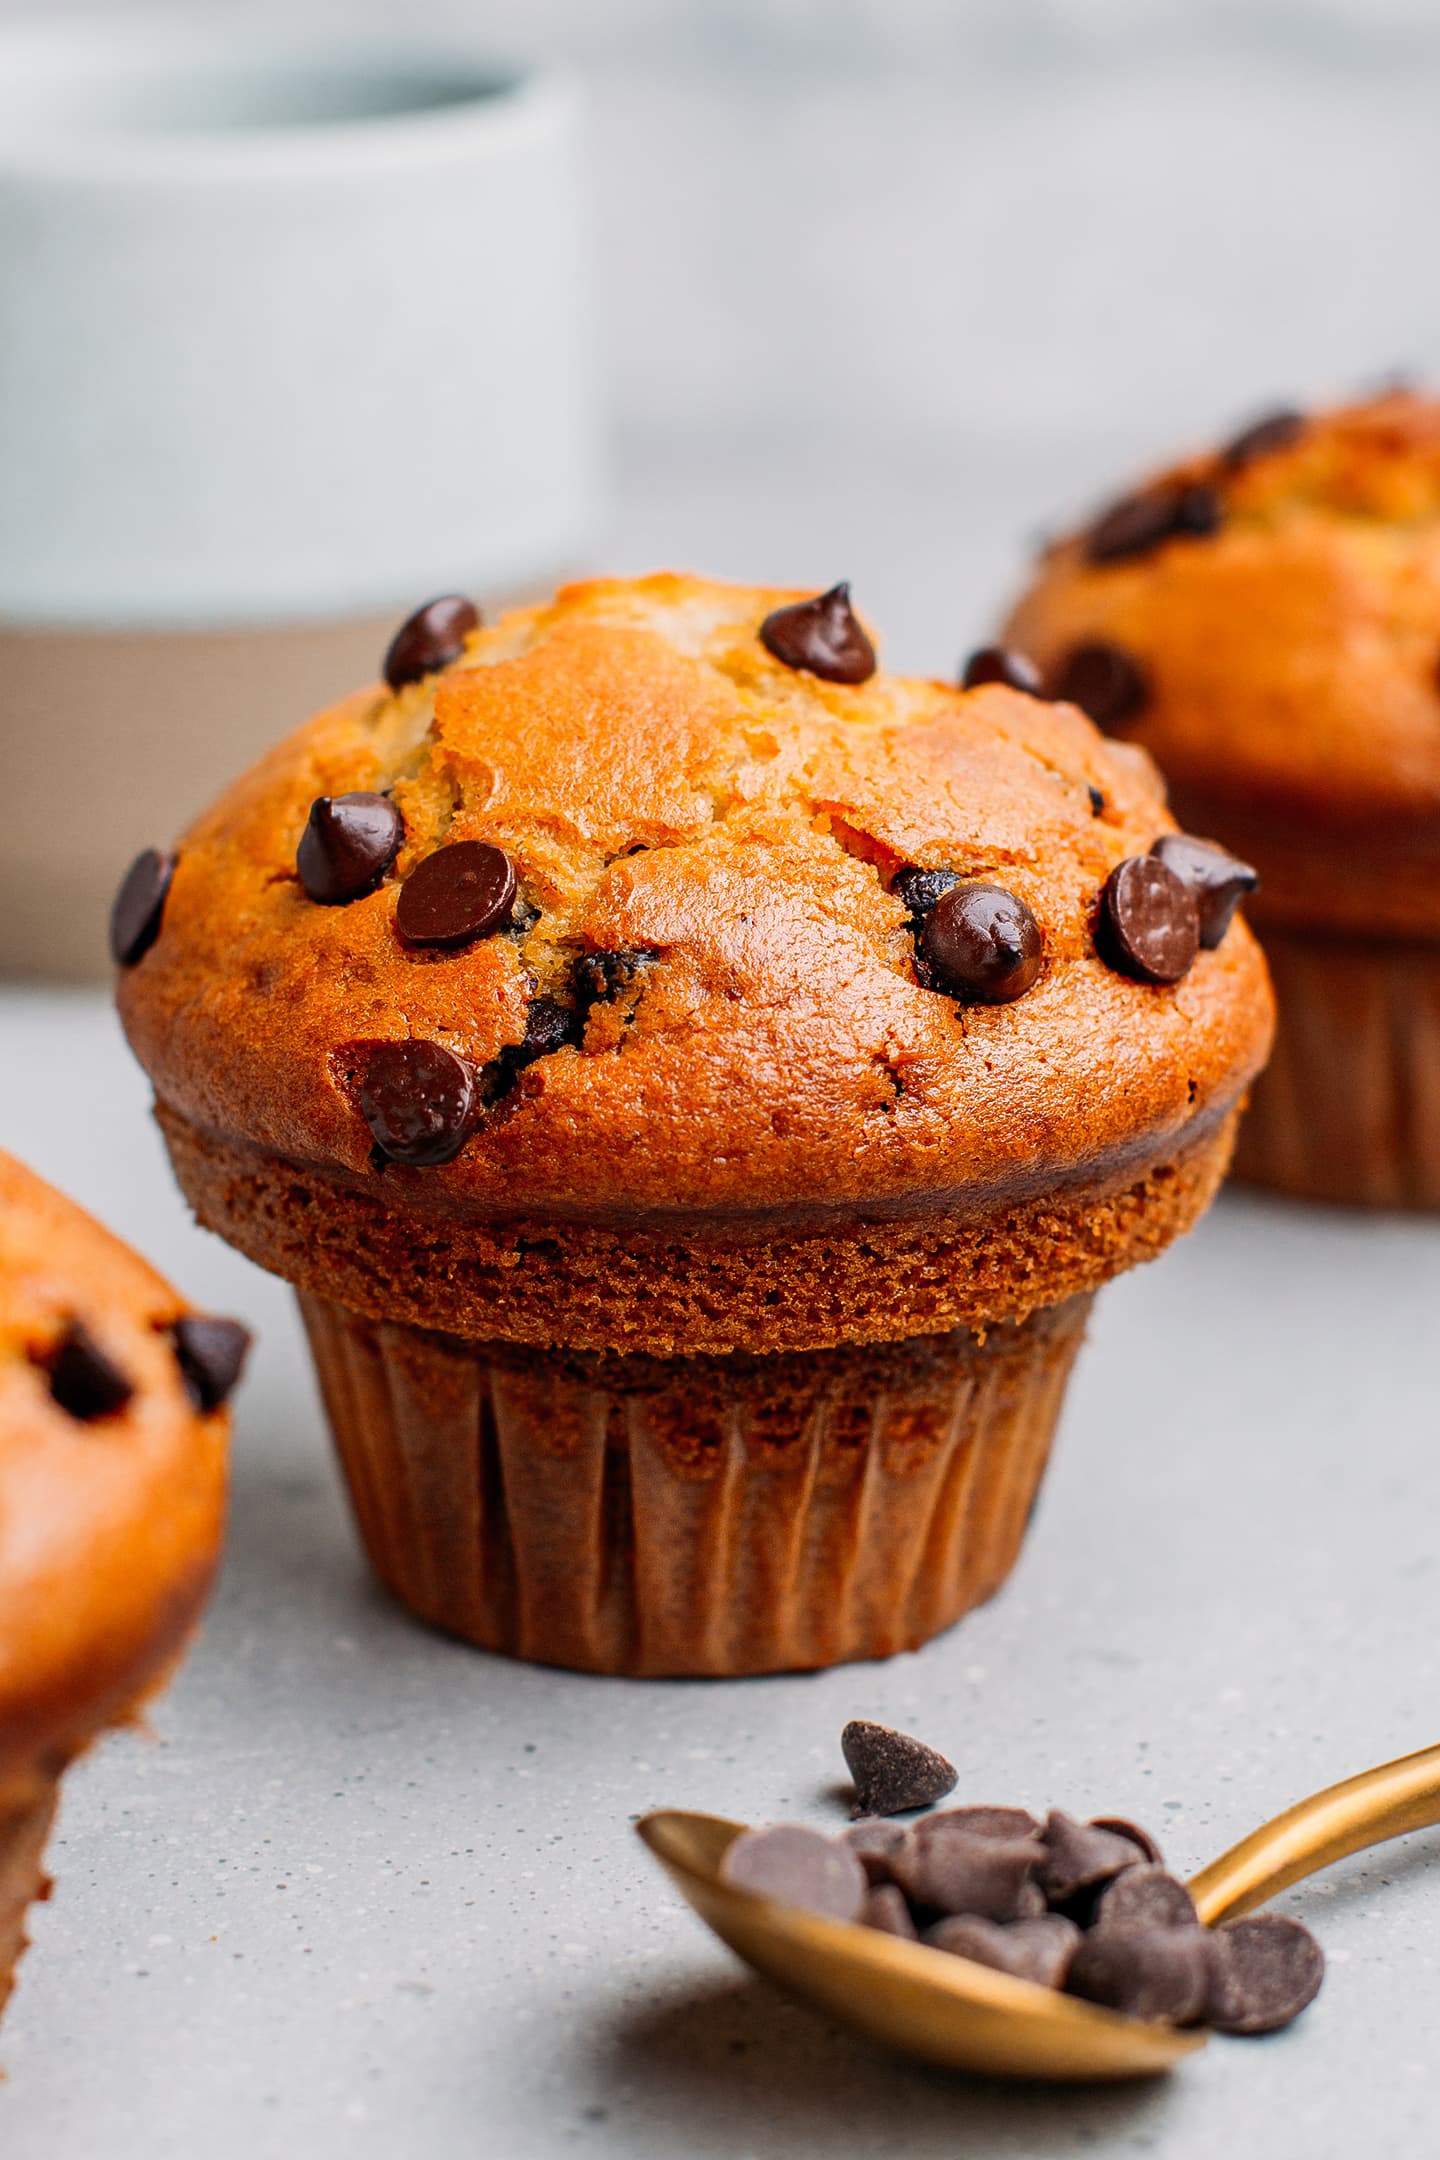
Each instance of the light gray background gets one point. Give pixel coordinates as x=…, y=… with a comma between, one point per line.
x=883, y=286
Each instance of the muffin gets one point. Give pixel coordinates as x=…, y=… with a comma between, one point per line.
x=1265, y=619
x=673, y=1061
x=112, y=1501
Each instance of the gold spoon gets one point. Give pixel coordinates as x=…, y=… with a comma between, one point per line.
x=947, y=2009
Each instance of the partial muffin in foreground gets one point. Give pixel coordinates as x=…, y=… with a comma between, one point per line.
x=673, y=1061
x=112, y=1500
x=1265, y=619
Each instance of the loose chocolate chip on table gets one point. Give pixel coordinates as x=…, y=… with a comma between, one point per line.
x=1133, y=1831
x=1146, y=1972
x=996, y=1822
x=84, y=1379
x=961, y=1872
x=1077, y=1856
x=1149, y=924
x=211, y=1356
x=1218, y=880
x=418, y=1100
x=823, y=636
x=1276, y=431
x=885, y=1908
x=1146, y=1896
x=1038, y=1950
x=1104, y=680
x=1264, y=1969
x=139, y=907
x=797, y=1866
x=430, y=638
x=874, y=1841
x=1138, y=523
x=347, y=846
x=981, y=943
x=999, y=664
x=892, y=1771
x=456, y=895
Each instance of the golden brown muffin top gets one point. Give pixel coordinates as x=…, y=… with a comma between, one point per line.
x=709, y=947
x=1278, y=604
x=112, y=1473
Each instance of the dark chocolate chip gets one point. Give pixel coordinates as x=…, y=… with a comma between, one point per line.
x=1138, y=523
x=981, y=944
x=996, y=1822
x=885, y=1908
x=1149, y=924
x=600, y=976
x=874, y=1842
x=456, y=895
x=139, y=907
x=1104, y=680
x=1077, y=1856
x=823, y=636
x=1039, y=1950
x=998, y=663
x=1218, y=880
x=1276, y=431
x=211, y=1356
x=918, y=890
x=1146, y=1897
x=1159, y=1972
x=430, y=638
x=1133, y=1831
x=956, y=1871
x=1264, y=1969
x=347, y=846
x=548, y=1027
x=1097, y=802
x=797, y=1866
x=893, y=1772
x=418, y=1100
x=84, y=1379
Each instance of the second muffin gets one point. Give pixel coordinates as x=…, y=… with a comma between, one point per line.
x=675, y=1063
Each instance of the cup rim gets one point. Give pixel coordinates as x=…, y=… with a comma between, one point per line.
x=499, y=101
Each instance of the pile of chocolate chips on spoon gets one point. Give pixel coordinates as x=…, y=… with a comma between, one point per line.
x=1087, y=1907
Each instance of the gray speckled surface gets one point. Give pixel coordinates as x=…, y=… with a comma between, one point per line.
x=371, y=1893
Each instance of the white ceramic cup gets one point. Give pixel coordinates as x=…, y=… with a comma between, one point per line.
x=292, y=337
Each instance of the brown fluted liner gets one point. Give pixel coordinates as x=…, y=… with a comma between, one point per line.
x=25, y=1818
x=707, y=1515
x=1349, y=1106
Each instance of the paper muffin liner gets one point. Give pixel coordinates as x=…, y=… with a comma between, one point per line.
x=26, y=1815
x=703, y=1515
x=1349, y=1107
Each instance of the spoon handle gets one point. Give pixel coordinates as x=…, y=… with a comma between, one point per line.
x=1364, y=1810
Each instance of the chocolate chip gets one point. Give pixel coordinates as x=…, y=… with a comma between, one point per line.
x=1077, y=1856
x=1146, y=1897
x=957, y=1871
x=347, y=846
x=893, y=1772
x=1218, y=880
x=456, y=895
x=1264, y=1969
x=139, y=907
x=1039, y=1950
x=823, y=636
x=1149, y=925
x=430, y=638
x=1104, y=680
x=84, y=1379
x=874, y=1842
x=1133, y=1831
x=998, y=663
x=211, y=1356
x=600, y=976
x=1145, y=1972
x=996, y=1822
x=796, y=1866
x=1276, y=431
x=418, y=1100
x=918, y=890
x=548, y=1027
x=1138, y=523
x=981, y=944
x=885, y=1908
x=1097, y=802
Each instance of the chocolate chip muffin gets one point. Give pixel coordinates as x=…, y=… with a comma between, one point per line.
x=1265, y=619
x=112, y=1498
x=696, y=1082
